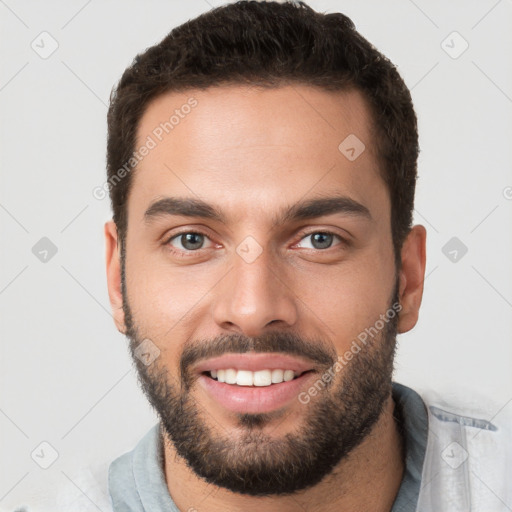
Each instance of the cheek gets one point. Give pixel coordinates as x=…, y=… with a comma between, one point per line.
x=164, y=298
x=343, y=302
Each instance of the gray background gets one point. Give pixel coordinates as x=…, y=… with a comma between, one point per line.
x=66, y=376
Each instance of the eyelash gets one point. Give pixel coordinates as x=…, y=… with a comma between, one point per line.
x=187, y=253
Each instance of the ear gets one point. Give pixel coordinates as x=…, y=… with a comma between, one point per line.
x=412, y=276
x=113, y=262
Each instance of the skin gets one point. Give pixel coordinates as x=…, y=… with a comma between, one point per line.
x=251, y=154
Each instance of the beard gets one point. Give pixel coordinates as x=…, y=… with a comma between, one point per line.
x=253, y=462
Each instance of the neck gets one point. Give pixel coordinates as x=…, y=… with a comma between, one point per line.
x=367, y=479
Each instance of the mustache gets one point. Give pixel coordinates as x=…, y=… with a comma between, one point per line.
x=317, y=351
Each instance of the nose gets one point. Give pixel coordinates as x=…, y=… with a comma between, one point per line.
x=252, y=296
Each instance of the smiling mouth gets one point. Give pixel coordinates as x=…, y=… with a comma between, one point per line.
x=260, y=378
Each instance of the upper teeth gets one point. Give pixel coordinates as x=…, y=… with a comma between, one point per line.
x=248, y=378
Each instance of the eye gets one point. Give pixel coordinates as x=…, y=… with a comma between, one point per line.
x=188, y=241
x=320, y=240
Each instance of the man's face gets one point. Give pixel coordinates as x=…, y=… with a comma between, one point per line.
x=279, y=259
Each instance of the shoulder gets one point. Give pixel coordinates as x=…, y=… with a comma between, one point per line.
x=89, y=487
x=469, y=449
x=82, y=489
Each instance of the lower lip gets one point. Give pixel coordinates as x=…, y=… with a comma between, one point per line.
x=254, y=399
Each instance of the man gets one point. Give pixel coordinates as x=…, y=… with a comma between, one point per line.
x=261, y=260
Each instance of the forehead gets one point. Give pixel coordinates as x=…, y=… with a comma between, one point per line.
x=236, y=146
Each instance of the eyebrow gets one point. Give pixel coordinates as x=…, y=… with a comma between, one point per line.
x=303, y=210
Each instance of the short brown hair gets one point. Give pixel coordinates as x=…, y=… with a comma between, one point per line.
x=270, y=44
